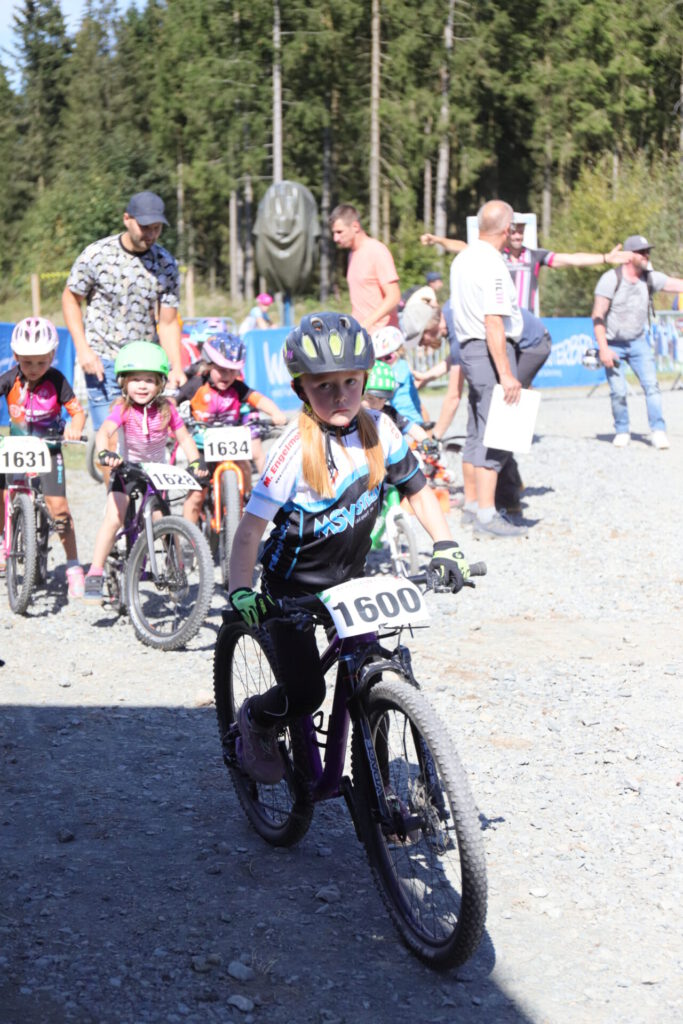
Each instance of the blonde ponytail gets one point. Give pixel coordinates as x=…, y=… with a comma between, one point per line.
x=314, y=464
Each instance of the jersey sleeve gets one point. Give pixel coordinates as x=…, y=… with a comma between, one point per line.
x=658, y=280
x=243, y=391
x=279, y=479
x=496, y=291
x=402, y=467
x=176, y=420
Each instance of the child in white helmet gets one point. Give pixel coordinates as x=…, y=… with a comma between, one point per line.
x=36, y=392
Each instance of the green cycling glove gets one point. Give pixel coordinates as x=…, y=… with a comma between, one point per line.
x=449, y=562
x=254, y=608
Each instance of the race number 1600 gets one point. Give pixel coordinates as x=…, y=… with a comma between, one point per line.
x=383, y=606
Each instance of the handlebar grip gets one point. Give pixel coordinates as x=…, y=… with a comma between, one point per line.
x=478, y=569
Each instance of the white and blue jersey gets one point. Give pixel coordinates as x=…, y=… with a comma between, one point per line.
x=318, y=542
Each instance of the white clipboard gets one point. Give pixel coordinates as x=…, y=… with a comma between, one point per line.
x=511, y=427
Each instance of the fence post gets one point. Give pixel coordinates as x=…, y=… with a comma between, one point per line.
x=35, y=294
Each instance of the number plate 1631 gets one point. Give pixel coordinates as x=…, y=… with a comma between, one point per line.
x=374, y=603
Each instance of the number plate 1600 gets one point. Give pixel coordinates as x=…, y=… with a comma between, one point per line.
x=374, y=603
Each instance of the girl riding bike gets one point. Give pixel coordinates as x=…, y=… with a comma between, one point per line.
x=321, y=488
x=36, y=393
x=145, y=420
x=216, y=396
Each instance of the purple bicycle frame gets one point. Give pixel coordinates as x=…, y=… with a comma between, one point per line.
x=325, y=778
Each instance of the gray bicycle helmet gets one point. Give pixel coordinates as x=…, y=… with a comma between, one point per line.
x=326, y=343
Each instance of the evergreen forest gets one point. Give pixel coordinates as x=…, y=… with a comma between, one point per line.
x=415, y=113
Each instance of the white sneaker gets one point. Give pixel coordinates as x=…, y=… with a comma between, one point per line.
x=621, y=440
x=659, y=439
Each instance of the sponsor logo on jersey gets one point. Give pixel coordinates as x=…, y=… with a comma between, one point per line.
x=278, y=463
x=343, y=518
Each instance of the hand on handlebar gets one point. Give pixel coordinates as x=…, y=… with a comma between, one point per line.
x=254, y=608
x=199, y=469
x=449, y=563
x=109, y=459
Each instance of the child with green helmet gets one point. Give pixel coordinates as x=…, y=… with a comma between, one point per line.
x=143, y=419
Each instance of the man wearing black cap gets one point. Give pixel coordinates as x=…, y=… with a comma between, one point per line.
x=621, y=312
x=131, y=289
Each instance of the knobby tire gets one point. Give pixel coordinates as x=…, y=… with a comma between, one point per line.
x=433, y=877
x=166, y=616
x=244, y=665
x=231, y=511
x=22, y=564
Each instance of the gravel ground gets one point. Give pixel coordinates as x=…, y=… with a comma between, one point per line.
x=133, y=889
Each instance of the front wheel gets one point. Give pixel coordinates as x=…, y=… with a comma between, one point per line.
x=167, y=609
x=243, y=666
x=231, y=511
x=428, y=861
x=22, y=562
x=91, y=463
x=402, y=546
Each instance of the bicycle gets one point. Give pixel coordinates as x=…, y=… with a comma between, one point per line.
x=393, y=529
x=28, y=523
x=409, y=800
x=160, y=569
x=230, y=447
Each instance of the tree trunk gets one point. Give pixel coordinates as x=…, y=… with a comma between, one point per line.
x=546, y=214
x=248, y=244
x=277, y=95
x=374, y=120
x=443, y=161
x=325, y=205
x=386, y=214
x=234, y=250
x=180, y=218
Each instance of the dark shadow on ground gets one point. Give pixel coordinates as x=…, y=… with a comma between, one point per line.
x=131, y=881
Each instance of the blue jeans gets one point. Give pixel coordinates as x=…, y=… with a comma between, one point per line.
x=639, y=356
x=101, y=393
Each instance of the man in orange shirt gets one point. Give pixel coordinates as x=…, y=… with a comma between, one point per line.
x=371, y=273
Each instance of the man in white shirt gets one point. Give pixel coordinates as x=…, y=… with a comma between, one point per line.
x=487, y=321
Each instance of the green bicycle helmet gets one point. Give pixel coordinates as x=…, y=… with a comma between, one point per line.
x=141, y=356
x=381, y=381
x=326, y=343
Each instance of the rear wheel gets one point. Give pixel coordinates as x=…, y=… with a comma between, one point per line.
x=231, y=511
x=167, y=611
x=22, y=562
x=243, y=667
x=428, y=863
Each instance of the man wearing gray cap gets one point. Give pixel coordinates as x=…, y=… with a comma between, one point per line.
x=621, y=312
x=131, y=289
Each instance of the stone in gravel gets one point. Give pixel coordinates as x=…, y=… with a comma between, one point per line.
x=65, y=835
x=329, y=894
x=241, y=1003
x=200, y=965
x=240, y=971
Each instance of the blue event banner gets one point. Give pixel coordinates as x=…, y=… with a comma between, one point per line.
x=571, y=336
x=64, y=360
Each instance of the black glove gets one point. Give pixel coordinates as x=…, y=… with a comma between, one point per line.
x=449, y=562
x=254, y=608
x=199, y=470
x=110, y=459
x=430, y=446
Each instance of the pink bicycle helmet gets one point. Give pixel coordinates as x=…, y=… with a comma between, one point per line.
x=34, y=336
x=226, y=350
x=264, y=299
